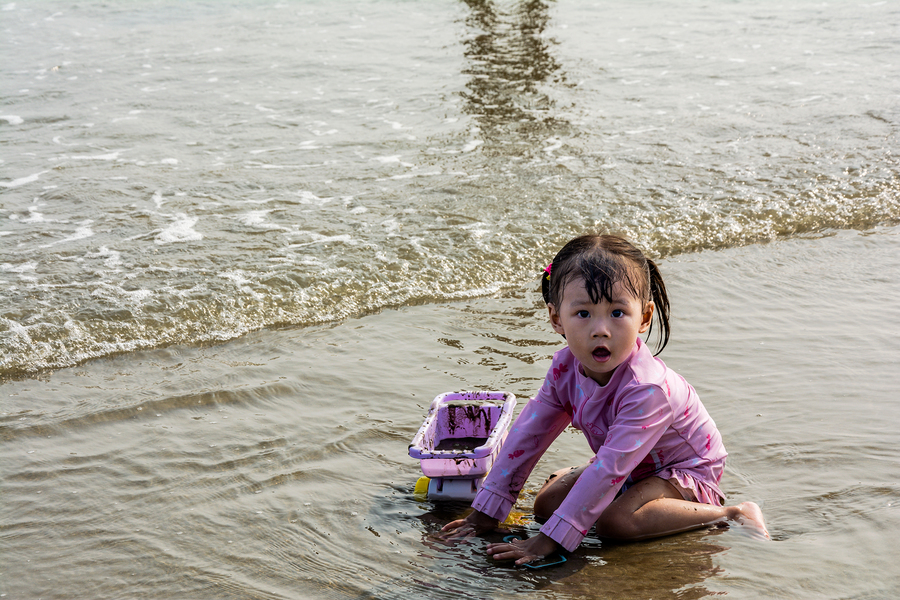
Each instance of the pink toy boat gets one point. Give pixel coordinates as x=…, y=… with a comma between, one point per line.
x=459, y=440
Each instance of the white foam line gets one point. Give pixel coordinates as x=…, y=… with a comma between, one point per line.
x=257, y=218
x=80, y=233
x=321, y=239
x=10, y=268
x=182, y=230
x=264, y=166
x=261, y=151
x=12, y=119
x=307, y=197
x=644, y=130
x=21, y=180
x=411, y=175
x=555, y=144
x=110, y=156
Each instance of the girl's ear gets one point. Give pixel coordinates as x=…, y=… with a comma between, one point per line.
x=555, y=321
x=647, y=316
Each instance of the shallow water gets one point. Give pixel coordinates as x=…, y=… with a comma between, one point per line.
x=179, y=173
x=358, y=196
x=275, y=466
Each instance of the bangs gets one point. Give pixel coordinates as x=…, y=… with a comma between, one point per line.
x=601, y=270
x=602, y=273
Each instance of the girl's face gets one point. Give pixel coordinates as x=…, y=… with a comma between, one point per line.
x=601, y=336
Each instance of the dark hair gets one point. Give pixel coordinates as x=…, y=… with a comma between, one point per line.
x=602, y=261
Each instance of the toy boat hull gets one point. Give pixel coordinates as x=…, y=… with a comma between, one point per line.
x=460, y=439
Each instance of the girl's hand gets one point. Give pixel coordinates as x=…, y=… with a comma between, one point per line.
x=475, y=523
x=524, y=551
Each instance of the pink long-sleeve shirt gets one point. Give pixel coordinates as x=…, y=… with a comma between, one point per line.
x=646, y=421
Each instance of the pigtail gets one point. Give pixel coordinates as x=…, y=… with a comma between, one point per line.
x=545, y=284
x=660, y=299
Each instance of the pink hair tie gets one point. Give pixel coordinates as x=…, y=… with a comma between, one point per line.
x=547, y=270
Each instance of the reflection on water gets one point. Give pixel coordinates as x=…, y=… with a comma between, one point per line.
x=332, y=160
x=509, y=63
x=276, y=466
x=309, y=167
x=675, y=566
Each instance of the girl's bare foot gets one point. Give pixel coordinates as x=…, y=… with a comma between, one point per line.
x=749, y=515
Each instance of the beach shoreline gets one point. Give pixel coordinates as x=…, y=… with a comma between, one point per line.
x=301, y=435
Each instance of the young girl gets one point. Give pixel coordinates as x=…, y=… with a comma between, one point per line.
x=659, y=456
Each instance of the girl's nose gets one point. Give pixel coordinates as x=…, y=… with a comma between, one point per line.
x=601, y=328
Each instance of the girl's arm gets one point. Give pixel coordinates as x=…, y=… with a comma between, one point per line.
x=642, y=417
x=536, y=427
x=539, y=423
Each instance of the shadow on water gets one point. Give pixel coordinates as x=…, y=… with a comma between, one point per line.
x=669, y=567
x=509, y=63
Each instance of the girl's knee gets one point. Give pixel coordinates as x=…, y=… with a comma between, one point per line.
x=554, y=491
x=618, y=525
x=550, y=497
x=544, y=506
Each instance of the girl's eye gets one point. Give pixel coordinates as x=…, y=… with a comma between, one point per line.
x=583, y=314
x=618, y=313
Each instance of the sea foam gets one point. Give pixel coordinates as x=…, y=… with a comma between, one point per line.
x=21, y=180
x=182, y=230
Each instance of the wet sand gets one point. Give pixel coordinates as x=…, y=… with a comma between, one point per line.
x=275, y=466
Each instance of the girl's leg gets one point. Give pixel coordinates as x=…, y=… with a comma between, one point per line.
x=653, y=507
x=555, y=490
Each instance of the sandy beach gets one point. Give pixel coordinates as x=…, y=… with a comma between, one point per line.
x=244, y=244
x=276, y=466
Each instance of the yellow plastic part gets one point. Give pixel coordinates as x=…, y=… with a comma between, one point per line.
x=516, y=519
x=421, y=491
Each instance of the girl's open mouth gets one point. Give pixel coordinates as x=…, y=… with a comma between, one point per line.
x=601, y=354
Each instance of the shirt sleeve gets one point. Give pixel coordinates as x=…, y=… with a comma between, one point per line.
x=536, y=427
x=642, y=418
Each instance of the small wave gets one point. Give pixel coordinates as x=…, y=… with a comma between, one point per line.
x=257, y=219
x=307, y=197
x=322, y=239
x=415, y=174
x=23, y=268
x=115, y=294
x=108, y=156
x=80, y=233
x=113, y=258
x=182, y=230
x=22, y=180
